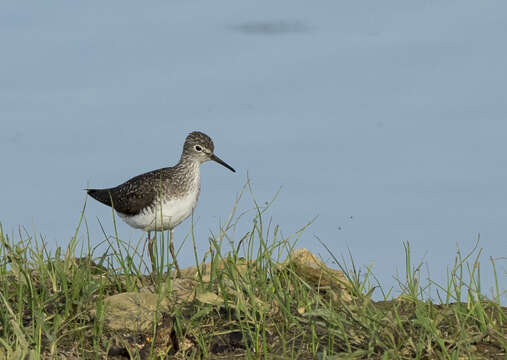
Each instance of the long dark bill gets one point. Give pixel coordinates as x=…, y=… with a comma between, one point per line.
x=221, y=162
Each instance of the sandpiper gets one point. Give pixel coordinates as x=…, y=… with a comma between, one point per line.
x=161, y=199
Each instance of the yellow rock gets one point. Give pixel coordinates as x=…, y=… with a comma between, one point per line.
x=133, y=311
x=210, y=298
x=318, y=274
x=205, y=269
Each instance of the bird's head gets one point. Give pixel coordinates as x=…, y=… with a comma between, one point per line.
x=199, y=146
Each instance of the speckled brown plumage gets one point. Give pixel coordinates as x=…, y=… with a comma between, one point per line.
x=141, y=191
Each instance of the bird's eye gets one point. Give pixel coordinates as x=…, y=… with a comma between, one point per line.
x=198, y=148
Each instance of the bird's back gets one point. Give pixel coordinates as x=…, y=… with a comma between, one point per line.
x=135, y=194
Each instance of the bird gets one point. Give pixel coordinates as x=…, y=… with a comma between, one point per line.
x=162, y=199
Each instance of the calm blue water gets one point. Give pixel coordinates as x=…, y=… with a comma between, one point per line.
x=387, y=120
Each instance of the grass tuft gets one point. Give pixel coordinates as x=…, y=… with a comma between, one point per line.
x=246, y=302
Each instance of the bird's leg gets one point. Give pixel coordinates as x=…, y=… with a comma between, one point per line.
x=171, y=249
x=150, y=252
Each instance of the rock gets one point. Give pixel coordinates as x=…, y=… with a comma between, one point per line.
x=210, y=298
x=205, y=269
x=315, y=272
x=183, y=290
x=133, y=311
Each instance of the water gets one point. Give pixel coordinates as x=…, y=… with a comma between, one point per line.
x=387, y=120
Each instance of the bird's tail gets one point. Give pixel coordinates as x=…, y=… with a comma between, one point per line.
x=102, y=195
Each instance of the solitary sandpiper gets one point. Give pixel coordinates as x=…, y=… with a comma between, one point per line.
x=161, y=199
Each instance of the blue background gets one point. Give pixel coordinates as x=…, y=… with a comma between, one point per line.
x=386, y=119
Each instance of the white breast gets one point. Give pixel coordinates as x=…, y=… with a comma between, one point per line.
x=166, y=215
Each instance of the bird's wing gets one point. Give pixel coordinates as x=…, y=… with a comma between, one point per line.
x=133, y=195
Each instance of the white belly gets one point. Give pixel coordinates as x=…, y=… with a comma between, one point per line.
x=164, y=216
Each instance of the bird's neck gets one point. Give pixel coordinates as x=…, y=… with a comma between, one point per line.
x=188, y=164
x=189, y=169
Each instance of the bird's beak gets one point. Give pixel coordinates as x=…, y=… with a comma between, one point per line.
x=221, y=162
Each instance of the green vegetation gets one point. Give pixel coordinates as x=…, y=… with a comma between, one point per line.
x=247, y=303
